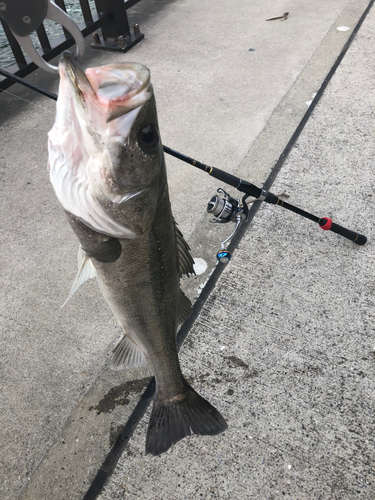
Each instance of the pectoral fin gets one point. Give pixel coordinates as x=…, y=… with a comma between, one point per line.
x=86, y=270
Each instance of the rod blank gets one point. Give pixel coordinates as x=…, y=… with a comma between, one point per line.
x=232, y=180
x=250, y=189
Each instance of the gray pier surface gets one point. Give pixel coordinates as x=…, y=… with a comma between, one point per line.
x=284, y=346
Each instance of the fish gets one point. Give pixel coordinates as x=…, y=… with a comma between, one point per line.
x=107, y=168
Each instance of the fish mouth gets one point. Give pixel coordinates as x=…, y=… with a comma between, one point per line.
x=117, y=89
x=71, y=71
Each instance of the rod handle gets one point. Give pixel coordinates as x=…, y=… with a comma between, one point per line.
x=326, y=224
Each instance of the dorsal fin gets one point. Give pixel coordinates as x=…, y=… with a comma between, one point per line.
x=185, y=260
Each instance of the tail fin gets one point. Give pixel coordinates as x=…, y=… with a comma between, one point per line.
x=185, y=414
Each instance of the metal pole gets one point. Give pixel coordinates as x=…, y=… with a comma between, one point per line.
x=117, y=34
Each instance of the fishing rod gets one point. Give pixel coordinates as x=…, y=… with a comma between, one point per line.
x=226, y=208
x=27, y=84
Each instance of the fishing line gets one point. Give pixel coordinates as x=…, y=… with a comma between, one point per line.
x=109, y=464
x=27, y=84
x=245, y=186
x=25, y=100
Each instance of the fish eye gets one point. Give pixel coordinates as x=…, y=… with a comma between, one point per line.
x=148, y=139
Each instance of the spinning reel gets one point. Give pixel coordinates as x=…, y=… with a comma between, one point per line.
x=227, y=209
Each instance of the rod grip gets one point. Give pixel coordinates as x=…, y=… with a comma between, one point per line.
x=357, y=238
x=236, y=182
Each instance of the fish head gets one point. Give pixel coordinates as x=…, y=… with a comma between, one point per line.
x=106, y=157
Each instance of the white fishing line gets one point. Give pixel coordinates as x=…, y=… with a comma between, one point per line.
x=25, y=100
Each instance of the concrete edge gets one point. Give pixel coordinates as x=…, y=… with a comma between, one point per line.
x=283, y=122
x=272, y=145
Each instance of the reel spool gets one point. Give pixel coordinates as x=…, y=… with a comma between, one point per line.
x=227, y=209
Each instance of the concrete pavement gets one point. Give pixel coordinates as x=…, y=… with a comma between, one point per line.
x=285, y=344
x=63, y=407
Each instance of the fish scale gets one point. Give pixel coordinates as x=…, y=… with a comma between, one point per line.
x=138, y=267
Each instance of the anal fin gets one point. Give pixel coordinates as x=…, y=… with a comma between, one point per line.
x=127, y=354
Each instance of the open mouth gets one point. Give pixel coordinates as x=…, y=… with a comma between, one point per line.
x=118, y=81
x=117, y=88
x=120, y=88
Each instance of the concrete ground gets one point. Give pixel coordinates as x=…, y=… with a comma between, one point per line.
x=284, y=346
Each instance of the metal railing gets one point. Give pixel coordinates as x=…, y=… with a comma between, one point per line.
x=110, y=16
